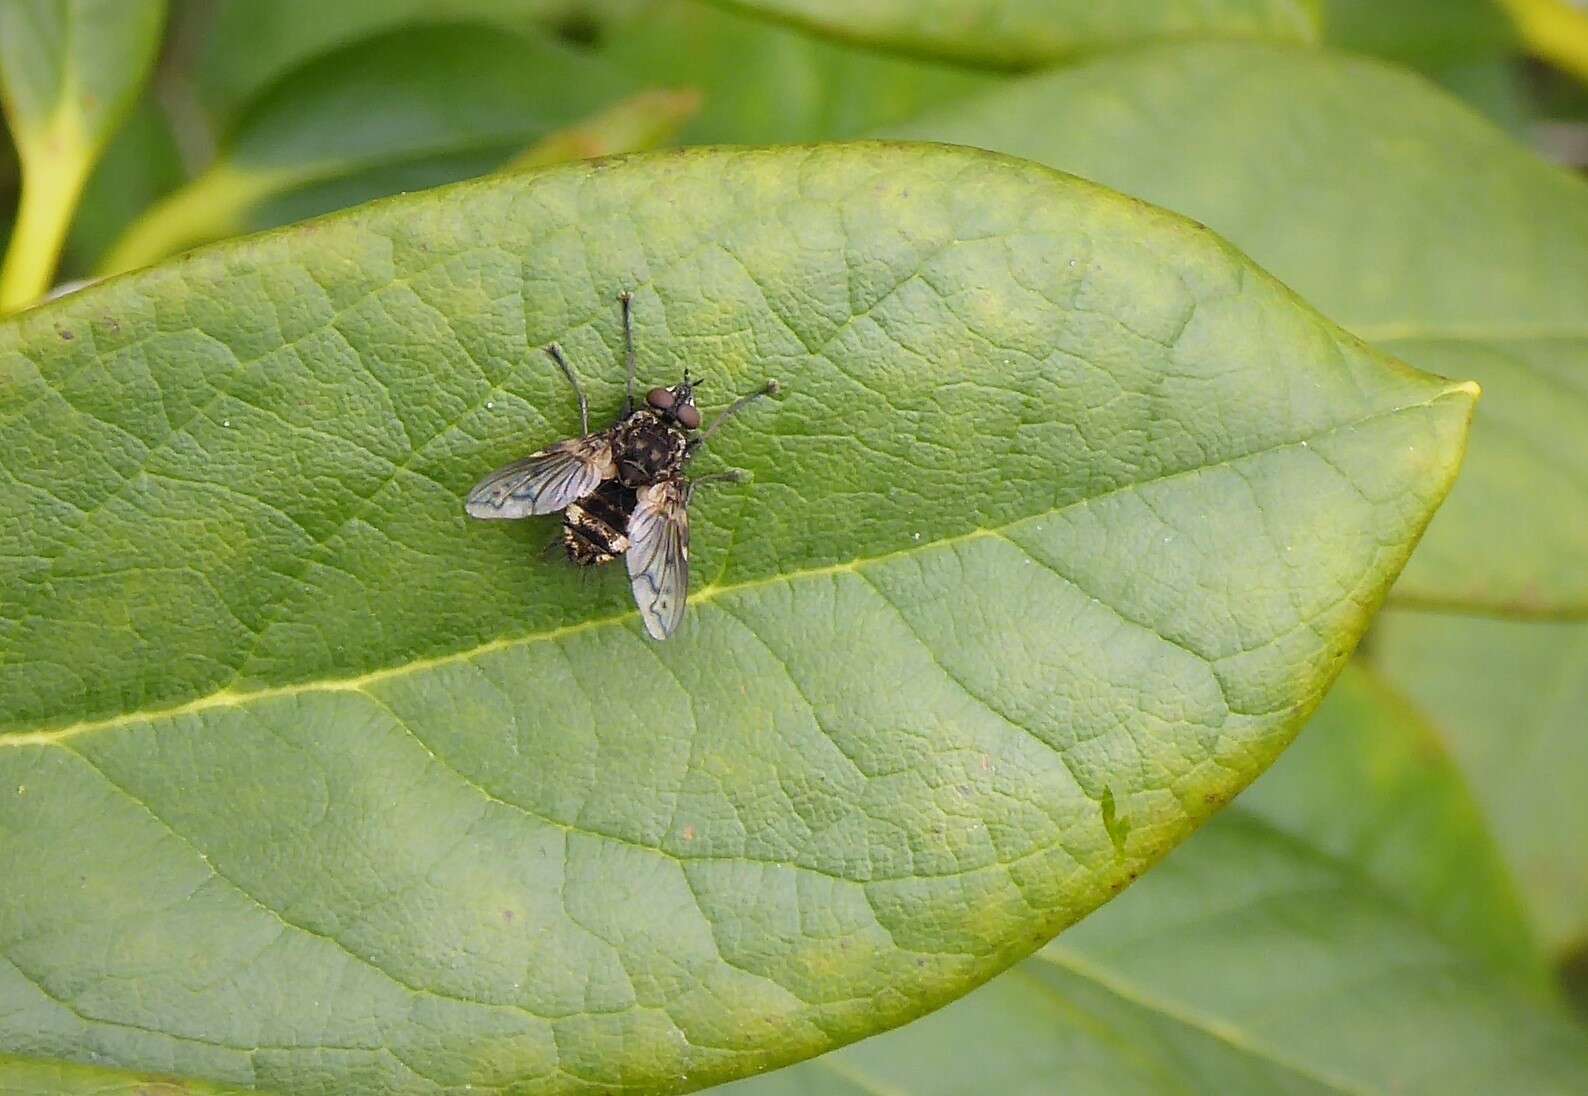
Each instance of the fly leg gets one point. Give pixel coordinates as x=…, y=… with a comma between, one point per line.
x=732, y=475
x=555, y=353
x=771, y=388
x=626, y=299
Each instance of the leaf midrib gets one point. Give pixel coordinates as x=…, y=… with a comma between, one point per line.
x=230, y=698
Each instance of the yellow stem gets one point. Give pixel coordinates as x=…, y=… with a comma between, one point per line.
x=51, y=187
x=1554, y=31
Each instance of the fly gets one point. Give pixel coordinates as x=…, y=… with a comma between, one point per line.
x=622, y=491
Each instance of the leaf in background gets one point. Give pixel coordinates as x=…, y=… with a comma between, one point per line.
x=70, y=70
x=764, y=83
x=1500, y=90
x=247, y=46
x=1469, y=46
x=24, y=1077
x=1370, y=784
x=455, y=102
x=1410, y=221
x=140, y=166
x=1319, y=936
x=639, y=123
x=1509, y=697
x=1514, y=537
x=1396, y=211
x=384, y=800
x=1026, y=33
x=1432, y=35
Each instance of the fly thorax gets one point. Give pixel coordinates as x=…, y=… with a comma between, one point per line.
x=648, y=449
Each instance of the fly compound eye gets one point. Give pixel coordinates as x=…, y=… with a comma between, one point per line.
x=688, y=416
x=659, y=398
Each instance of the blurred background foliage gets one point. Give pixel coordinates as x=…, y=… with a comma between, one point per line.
x=1407, y=889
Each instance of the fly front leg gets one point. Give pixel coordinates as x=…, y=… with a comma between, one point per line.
x=771, y=388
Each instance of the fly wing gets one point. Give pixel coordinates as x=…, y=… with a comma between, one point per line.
x=658, y=555
x=544, y=482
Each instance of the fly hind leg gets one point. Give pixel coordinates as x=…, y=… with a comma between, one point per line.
x=554, y=352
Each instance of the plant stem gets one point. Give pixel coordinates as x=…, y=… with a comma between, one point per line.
x=51, y=187
x=1554, y=31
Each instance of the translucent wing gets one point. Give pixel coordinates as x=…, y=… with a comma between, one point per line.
x=658, y=555
x=544, y=482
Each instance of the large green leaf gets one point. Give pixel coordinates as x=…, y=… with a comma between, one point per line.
x=453, y=102
x=1394, y=209
x=1066, y=521
x=1022, y=33
x=70, y=71
x=765, y=83
x=1509, y=697
x=1320, y=936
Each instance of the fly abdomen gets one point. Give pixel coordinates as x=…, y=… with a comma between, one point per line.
x=593, y=528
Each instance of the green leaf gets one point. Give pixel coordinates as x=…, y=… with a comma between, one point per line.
x=1430, y=34
x=140, y=166
x=70, y=71
x=765, y=83
x=1371, y=784
x=1398, y=212
x=1067, y=519
x=455, y=101
x=1024, y=33
x=24, y=1077
x=639, y=123
x=246, y=46
x=1174, y=986
x=1414, y=223
x=1514, y=536
x=1509, y=698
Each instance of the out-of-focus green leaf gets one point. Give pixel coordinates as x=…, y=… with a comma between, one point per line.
x=1403, y=215
x=1025, y=33
x=246, y=45
x=1370, y=784
x=1392, y=207
x=70, y=71
x=140, y=166
x=1067, y=520
x=1510, y=698
x=639, y=123
x=1496, y=89
x=27, y=1077
x=1277, y=951
x=1514, y=537
x=453, y=102
x=1428, y=34
x=767, y=83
